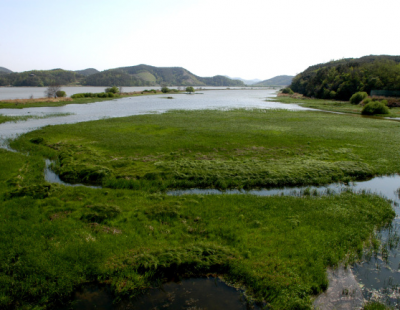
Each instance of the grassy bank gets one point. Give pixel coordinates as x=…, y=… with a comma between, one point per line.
x=329, y=105
x=57, y=102
x=132, y=236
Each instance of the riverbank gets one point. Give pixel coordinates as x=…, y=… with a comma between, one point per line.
x=57, y=102
x=327, y=105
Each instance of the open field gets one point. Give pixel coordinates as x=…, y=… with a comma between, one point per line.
x=132, y=236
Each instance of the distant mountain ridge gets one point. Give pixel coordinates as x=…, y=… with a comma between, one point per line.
x=280, y=80
x=140, y=75
x=145, y=75
x=247, y=82
x=4, y=70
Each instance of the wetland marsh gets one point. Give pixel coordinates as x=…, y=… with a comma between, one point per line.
x=131, y=235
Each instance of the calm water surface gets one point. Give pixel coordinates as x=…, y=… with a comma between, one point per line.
x=39, y=92
x=195, y=294
x=210, y=99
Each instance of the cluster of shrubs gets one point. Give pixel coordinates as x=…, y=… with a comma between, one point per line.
x=108, y=93
x=358, y=97
x=372, y=106
x=149, y=91
x=61, y=93
x=287, y=90
x=168, y=90
x=94, y=95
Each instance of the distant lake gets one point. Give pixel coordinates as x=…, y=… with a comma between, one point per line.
x=39, y=92
x=209, y=99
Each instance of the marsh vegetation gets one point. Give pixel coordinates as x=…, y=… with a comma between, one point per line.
x=132, y=236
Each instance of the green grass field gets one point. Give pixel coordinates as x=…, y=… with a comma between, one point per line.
x=132, y=236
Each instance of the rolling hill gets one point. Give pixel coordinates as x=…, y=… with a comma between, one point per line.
x=4, y=70
x=280, y=80
x=144, y=75
x=342, y=78
x=141, y=75
x=87, y=72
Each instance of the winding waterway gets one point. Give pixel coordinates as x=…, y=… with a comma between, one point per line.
x=377, y=274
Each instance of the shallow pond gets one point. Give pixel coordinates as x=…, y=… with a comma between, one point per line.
x=195, y=293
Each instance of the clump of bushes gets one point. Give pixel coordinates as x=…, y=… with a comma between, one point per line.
x=392, y=102
x=61, y=93
x=169, y=90
x=149, y=91
x=95, y=95
x=287, y=90
x=374, y=107
x=190, y=89
x=358, y=97
x=114, y=90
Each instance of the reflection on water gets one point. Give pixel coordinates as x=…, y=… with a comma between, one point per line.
x=194, y=293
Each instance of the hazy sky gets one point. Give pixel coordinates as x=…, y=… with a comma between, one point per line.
x=248, y=39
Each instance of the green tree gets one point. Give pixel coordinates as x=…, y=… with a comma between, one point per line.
x=114, y=90
x=61, y=93
x=190, y=89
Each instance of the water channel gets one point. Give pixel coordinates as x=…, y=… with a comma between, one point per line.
x=378, y=275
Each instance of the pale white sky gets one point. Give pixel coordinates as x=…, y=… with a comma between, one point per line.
x=248, y=39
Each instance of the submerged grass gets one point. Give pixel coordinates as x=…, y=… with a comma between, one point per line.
x=57, y=102
x=132, y=236
x=5, y=118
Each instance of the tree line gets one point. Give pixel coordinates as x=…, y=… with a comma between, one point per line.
x=141, y=75
x=341, y=79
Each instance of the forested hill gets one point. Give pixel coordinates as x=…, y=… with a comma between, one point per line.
x=87, y=72
x=41, y=78
x=4, y=70
x=280, y=80
x=141, y=75
x=342, y=78
x=144, y=75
